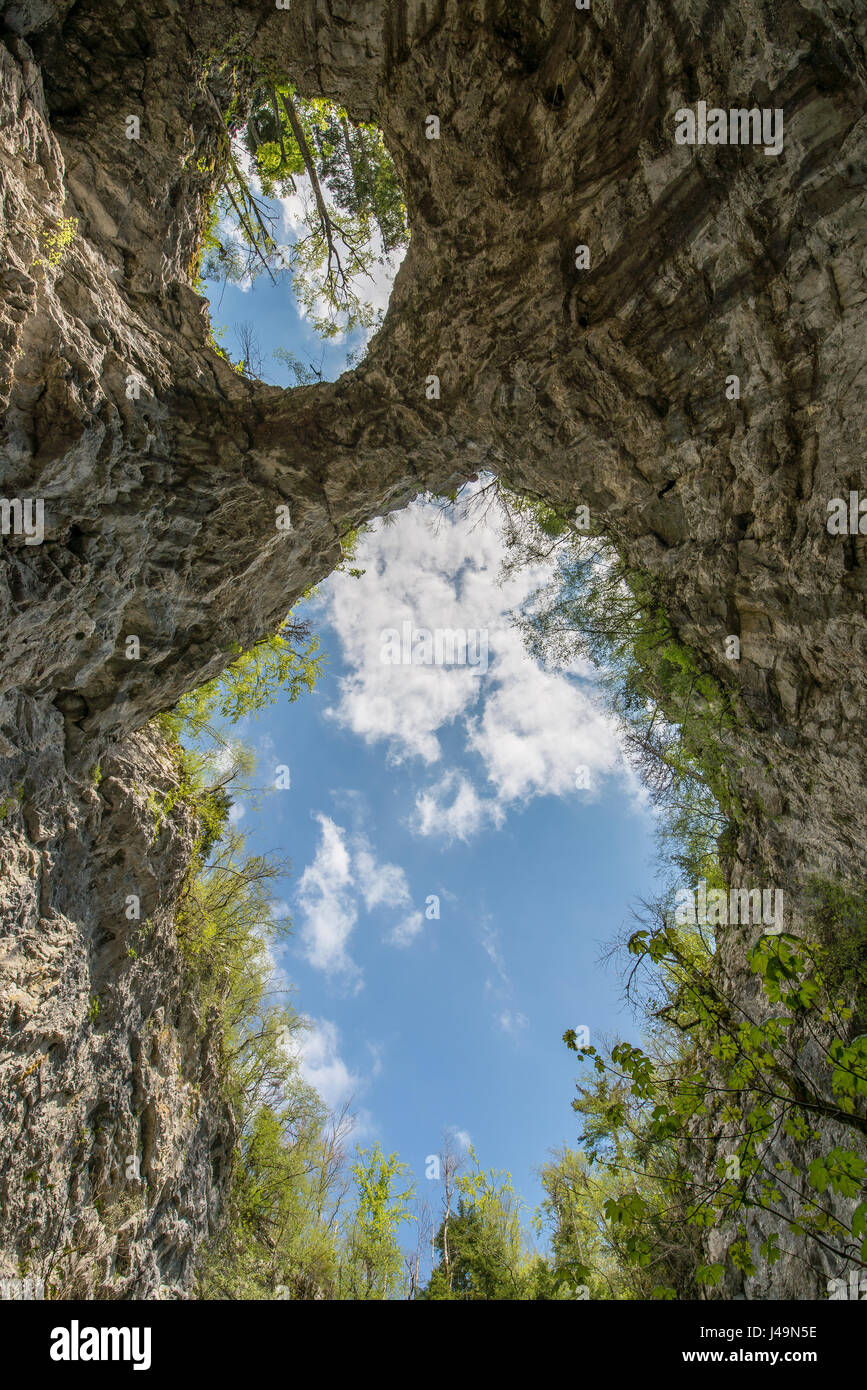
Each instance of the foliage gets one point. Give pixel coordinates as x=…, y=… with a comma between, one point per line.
x=839, y=916
x=717, y=1061
x=288, y=662
x=675, y=1133
x=673, y=714
x=287, y=1231
x=656, y=1111
x=585, y=1252
x=483, y=1251
x=276, y=1237
x=352, y=209
x=210, y=762
x=57, y=242
x=371, y=1266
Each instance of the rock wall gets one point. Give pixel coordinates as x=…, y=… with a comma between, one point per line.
x=602, y=385
x=115, y=1145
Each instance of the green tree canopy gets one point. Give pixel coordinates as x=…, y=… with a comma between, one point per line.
x=372, y=1259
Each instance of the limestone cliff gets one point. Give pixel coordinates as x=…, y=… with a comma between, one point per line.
x=115, y=1141
x=603, y=386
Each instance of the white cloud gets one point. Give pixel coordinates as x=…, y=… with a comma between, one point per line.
x=536, y=728
x=344, y=872
x=406, y=931
x=513, y=1022
x=322, y=1066
x=453, y=808
x=327, y=903
x=531, y=729
x=380, y=884
x=222, y=761
x=317, y=1049
x=460, y=1137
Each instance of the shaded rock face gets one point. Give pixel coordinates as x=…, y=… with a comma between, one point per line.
x=603, y=385
x=115, y=1145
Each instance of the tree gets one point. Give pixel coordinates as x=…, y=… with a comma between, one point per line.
x=371, y=1257
x=690, y=1115
x=286, y=663
x=684, y=1126
x=584, y=1260
x=353, y=214
x=487, y=1258
x=451, y=1159
x=252, y=362
x=423, y=1240
x=277, y=1235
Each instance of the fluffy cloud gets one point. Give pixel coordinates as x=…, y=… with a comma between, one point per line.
x=452, y=807
x=345, y=872
x=318, y=1052
x=532, y=729
x=459, y=1137
x=380, y=884
x=537, y=728
x=327, y=904
x=321, y=1065
x=405, y=933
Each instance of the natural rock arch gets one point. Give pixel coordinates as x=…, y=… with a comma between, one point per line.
x=604, y=386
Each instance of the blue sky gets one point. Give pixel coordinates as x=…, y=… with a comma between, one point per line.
x=414, y=782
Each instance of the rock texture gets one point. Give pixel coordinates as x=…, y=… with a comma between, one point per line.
x=114, y=1142
x=603, y=385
